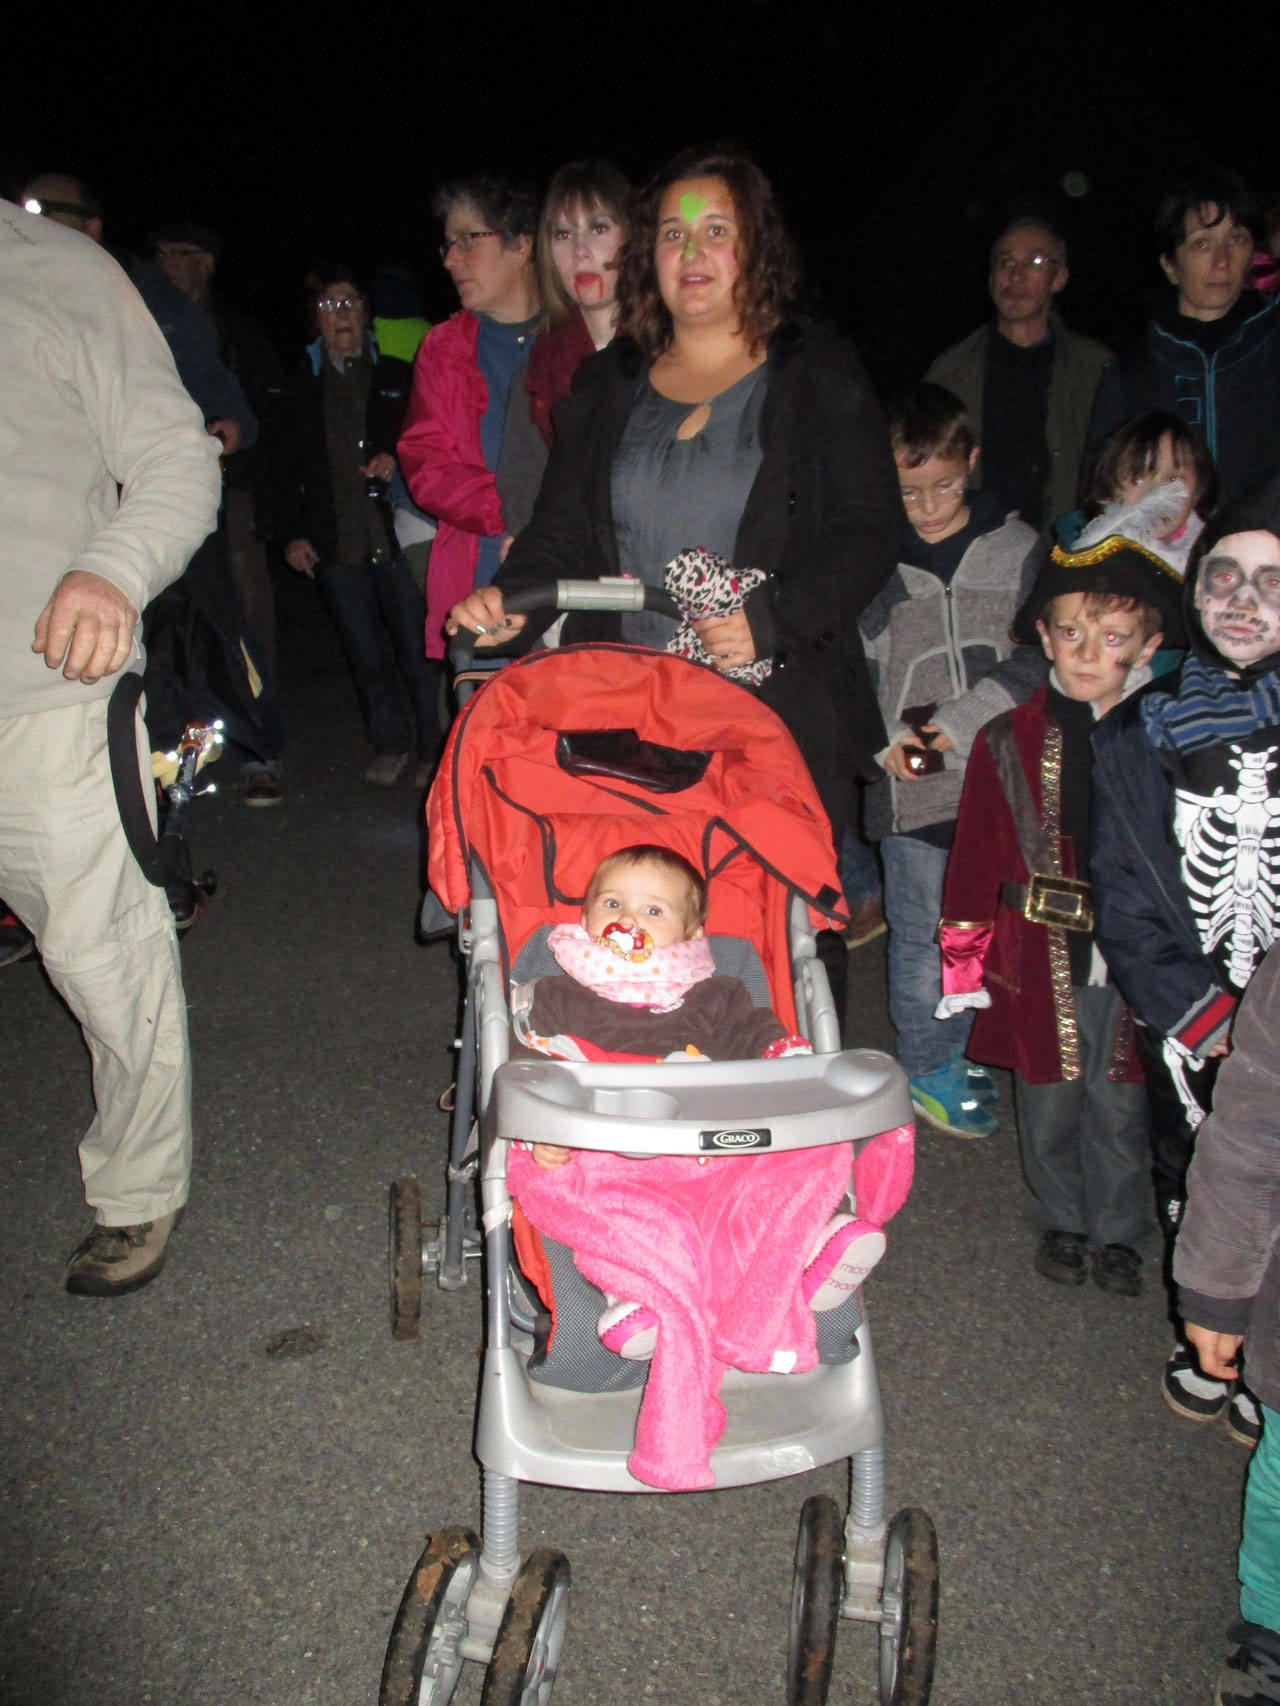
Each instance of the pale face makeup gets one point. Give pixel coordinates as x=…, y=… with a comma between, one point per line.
x=1238, y=596
x=697, y=251
x=1092, y=652
x=584, y=250
x=649, y=896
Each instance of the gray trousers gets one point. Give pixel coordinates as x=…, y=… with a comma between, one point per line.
x=1086, y=1150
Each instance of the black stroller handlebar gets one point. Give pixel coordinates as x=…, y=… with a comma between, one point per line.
x=609, y=593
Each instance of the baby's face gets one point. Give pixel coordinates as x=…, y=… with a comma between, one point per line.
x=1238, y=596
x=648, y=896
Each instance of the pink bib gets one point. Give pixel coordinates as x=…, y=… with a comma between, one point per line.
x=658, y=982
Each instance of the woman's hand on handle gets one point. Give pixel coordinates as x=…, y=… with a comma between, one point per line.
x=728, y=640
x=482, y=611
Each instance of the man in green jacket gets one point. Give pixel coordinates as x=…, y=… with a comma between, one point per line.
x=1027, y=381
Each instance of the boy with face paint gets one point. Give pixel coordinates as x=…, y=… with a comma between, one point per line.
x=1186, y=859
x=1016, y=940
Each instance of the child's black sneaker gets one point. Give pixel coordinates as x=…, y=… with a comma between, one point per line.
x=1117, y=1269
x=1252, y=1673
x=1244, y=1418
x=1191, y=1393
x=1060, y=1258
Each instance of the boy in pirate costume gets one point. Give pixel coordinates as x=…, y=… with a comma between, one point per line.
x=1016, y=933
x=1186, y=859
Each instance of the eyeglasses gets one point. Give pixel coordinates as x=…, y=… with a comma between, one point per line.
x=912, y=495
x=1026, y=263
x=337, y=304
x=465, y=241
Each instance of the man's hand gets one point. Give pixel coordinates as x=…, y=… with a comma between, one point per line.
x=1217, y=1351
x=227, y=432
x=86, y=628
x=301, y=554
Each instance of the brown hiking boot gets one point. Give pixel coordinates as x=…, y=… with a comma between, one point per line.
x=116, y=1259
x=866, y=922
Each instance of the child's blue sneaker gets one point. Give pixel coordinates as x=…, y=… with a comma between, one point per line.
x=945, y=1100
x=981, y=1083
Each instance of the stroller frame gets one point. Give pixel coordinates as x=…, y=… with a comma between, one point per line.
x=469, y=1593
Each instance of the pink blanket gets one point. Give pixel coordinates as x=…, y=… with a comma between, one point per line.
x=715, y=1249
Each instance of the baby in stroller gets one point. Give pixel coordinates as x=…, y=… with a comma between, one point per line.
x=706, y=1262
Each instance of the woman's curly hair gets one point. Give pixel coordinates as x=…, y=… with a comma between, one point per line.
x=769, y=275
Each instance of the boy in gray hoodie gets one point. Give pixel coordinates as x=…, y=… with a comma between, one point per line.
x=937, y=642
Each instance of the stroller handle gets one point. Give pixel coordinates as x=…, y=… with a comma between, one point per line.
x=613, y=592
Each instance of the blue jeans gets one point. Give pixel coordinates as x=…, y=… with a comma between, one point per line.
x=859, y=871
x=380, y=612
x=913, y=873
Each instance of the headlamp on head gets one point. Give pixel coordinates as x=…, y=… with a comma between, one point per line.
x=45, y=205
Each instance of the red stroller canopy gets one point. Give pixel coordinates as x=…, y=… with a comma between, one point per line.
x=753, y=823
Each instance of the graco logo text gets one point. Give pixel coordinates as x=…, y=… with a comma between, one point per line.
x=748, y=1138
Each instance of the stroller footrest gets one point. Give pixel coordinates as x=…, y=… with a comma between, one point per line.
x=778, y=1425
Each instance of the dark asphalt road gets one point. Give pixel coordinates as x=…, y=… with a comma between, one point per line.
x=189, y=1519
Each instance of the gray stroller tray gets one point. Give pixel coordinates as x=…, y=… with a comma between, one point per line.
x=704, y=1107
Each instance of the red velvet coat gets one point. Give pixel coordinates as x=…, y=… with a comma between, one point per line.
x=990, y=946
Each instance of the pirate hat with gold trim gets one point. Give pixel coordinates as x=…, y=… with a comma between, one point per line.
x=1115, y=565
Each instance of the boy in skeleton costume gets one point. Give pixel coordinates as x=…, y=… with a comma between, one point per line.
x=1016, y=931
x=1186, y=857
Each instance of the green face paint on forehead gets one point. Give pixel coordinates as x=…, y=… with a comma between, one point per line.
x=691, y=206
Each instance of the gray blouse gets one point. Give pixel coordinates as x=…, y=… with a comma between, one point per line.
x=670, y=494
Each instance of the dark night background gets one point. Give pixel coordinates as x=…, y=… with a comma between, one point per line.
x=898, y=136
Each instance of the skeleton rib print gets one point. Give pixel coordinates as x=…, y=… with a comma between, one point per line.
x=1231, y=863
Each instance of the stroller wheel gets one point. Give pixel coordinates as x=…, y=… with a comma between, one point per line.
x=423, y=1663
x=405, y=1239
x=816, y=1591
x=909, y=1632
x=522, y=1671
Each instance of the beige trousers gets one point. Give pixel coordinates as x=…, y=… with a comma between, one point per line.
x=107, y=940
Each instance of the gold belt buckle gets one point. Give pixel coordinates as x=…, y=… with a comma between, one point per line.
x=1062, y=902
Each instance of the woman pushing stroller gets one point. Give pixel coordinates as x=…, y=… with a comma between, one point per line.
x=707, y=1262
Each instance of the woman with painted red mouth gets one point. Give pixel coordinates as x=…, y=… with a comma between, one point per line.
x=719, y=417
x=586, y=219
x=584, y=223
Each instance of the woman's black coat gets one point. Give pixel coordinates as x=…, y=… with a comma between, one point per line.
x=822, y=519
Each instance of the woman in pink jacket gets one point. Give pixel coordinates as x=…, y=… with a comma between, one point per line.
x=448, y=449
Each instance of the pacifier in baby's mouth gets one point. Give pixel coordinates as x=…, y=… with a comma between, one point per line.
x=629, y=942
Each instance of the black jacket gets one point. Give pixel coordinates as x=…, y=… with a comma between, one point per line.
x=303, y=496
x=1142, y=921
x=822, y=519
x=1231, y=395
